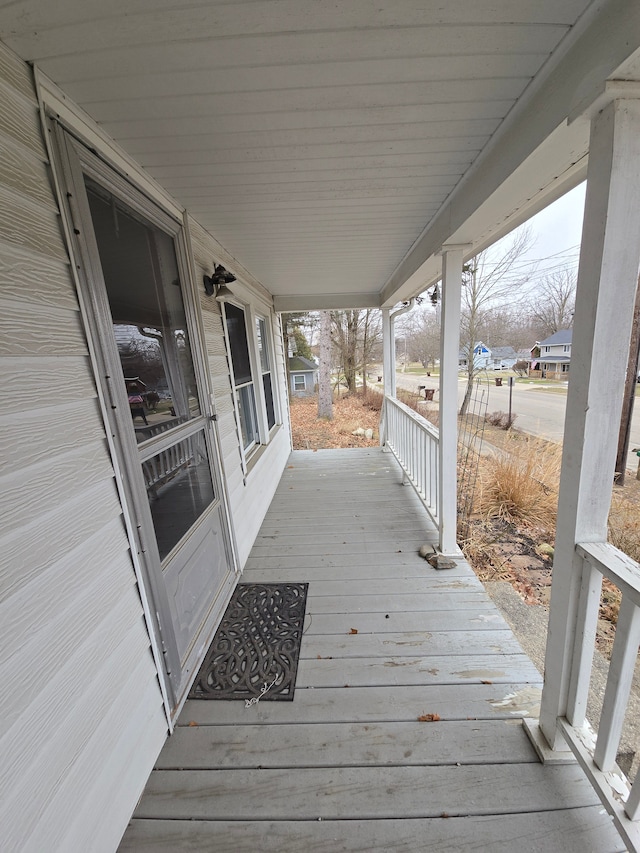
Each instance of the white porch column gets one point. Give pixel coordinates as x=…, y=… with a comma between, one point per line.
x=388, y=354
x=448, y=406
x=607, y=281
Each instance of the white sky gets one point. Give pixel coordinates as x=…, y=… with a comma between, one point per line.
x=556, y=231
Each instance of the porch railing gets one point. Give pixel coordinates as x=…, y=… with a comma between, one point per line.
x=597, y=754
x=414, y=443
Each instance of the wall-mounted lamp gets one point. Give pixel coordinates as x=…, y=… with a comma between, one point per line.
x=434, y=296
x=217, y=283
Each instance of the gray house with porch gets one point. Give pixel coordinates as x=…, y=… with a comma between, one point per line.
x=553, y=356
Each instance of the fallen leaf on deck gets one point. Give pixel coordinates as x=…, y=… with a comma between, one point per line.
x=192, y=723
x=428, y=718
x=486, y=681
x=353, y=631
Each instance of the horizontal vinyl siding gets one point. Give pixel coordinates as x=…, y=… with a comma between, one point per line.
x=250, y=503
x=250, y=496
x=81, y=709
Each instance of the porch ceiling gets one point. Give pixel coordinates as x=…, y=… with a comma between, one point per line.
x=332, y=149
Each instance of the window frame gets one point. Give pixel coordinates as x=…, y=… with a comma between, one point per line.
x=304, y=381
x=264, y=433
x=267, y=348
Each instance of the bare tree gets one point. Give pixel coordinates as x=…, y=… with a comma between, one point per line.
x=355, y=336
x=371, y=338
x=325, y=396
x=488, y=279
x=553, y=302
x=421, y=329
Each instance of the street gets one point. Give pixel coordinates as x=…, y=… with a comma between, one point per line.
x=540, y=410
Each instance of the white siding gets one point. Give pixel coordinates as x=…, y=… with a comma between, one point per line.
x=81, y=709
x=250, y=495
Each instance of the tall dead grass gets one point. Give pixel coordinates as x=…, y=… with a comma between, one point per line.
x=519, y=484
x=624, y=530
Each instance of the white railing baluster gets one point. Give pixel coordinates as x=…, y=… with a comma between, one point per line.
x=623, y=659
x=414, y=443
x=586, y=626
x=632, y=806
x=598, y=757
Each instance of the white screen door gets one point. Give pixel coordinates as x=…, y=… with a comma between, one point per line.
x=163, y=438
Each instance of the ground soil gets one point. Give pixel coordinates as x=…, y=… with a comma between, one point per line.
x=349, y=415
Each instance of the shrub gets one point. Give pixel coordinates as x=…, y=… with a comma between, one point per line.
x=501, y=419
x=521, y=483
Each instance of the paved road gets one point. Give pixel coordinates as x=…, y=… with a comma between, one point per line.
x=539, y=410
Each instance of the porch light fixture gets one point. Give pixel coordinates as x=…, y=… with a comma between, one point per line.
x=434, y=296
x=217, y=282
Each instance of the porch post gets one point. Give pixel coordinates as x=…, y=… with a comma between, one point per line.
x=607, y=280
x=448, y=406
x=388, y=354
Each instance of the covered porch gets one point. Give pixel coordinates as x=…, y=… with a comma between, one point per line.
x=347, y=765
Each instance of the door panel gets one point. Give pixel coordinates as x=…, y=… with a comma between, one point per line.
x=194, y=578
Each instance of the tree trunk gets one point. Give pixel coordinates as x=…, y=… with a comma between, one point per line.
x=365, y=344
x=350, y=361
x=325, y=397
x=467, y=395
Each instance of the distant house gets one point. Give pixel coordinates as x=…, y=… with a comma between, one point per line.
x=550, y=359
x=303, y=376
x=503, y=358
x=485, y=358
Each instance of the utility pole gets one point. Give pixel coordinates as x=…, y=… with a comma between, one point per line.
x=629, y=393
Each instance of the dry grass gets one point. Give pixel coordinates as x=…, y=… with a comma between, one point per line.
x=519, y=484
x=349, y=414
x=624, y=530
x=516, y=503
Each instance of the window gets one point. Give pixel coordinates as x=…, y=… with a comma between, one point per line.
x=251, y=360
x=566, y=348
x=299, y=383
x=242, y=377
x=265, y=368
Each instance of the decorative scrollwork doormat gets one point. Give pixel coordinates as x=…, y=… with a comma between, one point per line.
x=256, y=649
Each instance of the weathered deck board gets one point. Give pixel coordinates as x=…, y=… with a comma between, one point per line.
x=408, y=644
x=400, y=671
x=402, y=603
x=348, y=704
x=349, y=793
x=569, y=831
x=356, y=744
x=467, y=618
x=347, y=766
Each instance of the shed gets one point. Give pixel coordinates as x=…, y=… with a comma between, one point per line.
x=303, y=375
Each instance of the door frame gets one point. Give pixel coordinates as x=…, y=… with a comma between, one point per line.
x=71, y=159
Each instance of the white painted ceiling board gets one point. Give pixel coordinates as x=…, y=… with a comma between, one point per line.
x=315, y=141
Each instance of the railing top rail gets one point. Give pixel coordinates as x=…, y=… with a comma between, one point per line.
x=615, y=565
x=421, y=421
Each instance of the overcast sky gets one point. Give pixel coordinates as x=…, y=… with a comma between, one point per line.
x=556, y=233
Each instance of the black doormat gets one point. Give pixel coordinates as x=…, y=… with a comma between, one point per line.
x=254, y=654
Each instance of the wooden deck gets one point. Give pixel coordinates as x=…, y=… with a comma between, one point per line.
x=347, y=765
